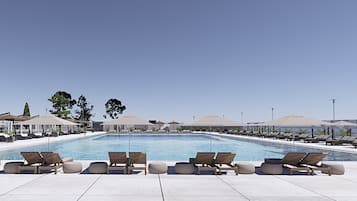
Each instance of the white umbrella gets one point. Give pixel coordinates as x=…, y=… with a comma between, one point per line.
x=47, y=120
x=296, y=121
x=342, y=123
x=127, y=120
x=214, y=121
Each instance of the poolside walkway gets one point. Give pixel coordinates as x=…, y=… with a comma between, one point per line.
x=179, y=187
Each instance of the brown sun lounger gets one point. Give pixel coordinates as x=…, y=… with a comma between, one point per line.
x=33, y=161
x=117, y=161
x=313, y=161
x=63, y=160
x=291, y=161
x=51, y=162
x=224, y=161
x=137, y=161
x=204, y=162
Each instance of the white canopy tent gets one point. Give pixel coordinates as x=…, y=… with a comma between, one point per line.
x=296, y=121
x=214, y=121
x=50, y=121
x=343, y=124
x=125, y=122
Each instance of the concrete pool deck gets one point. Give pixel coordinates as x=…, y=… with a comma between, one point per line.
x=179, y=187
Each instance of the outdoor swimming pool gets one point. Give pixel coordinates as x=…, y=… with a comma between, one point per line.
x=169, y=147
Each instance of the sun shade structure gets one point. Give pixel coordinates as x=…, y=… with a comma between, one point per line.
x=128, y=120
x=47, y=121
x=296, y=121
x=342, y=123
x=214, y=121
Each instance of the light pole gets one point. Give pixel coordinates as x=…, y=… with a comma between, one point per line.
x=241, y=117
x=333, y=108
x=272, y=113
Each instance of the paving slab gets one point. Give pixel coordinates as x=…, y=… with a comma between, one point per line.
x=9, y=182
x=257, y=187
x=126, y=185
x=57, y=185
x=39, y=198
x=120, y=198
x=330, y=186
x=197, y=187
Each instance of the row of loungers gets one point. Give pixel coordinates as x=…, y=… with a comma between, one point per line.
x=340, y=140
x=203, y=161
x=26, y=136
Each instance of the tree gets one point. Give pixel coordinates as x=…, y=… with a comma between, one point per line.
x=62, y=104
x=114, y=107
x=84, y=112
x=26, y=110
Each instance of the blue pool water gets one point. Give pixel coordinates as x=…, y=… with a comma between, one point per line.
x=169, y=147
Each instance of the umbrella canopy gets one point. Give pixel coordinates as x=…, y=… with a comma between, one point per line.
x=296, y=121
x=127, y=120
x=214, y=121
x=9, y=117
x=342, y=123
x=47, y=120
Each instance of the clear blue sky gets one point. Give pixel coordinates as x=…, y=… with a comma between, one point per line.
x=171, y=60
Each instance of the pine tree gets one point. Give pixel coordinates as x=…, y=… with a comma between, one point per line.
x=27, y=110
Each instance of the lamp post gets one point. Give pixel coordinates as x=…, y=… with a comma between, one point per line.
x=241, y=117
x=333, y=116
x=333, y=108
x=272, y=113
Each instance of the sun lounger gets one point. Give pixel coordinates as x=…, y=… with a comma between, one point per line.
x=51, y=162
x=313, y=161
x=224, y=161
x=137, y=161
x=36, y=135
x=290, y=161
x=63, y=160
x=204, y=161
x=22, y=136
x=348, y=139
x=335, y=141
x=354, y=143
x=33, y=161
x=117, y=161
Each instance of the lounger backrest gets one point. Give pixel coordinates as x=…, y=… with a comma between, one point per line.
x=293, y=158
x=224, y=158
x=204, y=157
x=51, y=158
x=137, y=157
x=117, y=157
x=313, y=158
x=32, y=157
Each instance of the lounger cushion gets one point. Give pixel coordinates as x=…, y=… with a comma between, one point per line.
x=184, y=168
x=336, y=168
x=267, y=168
x=157, y=168
x=98, y=168
x=12, y=167
x=245, y=168
x=72, y=167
